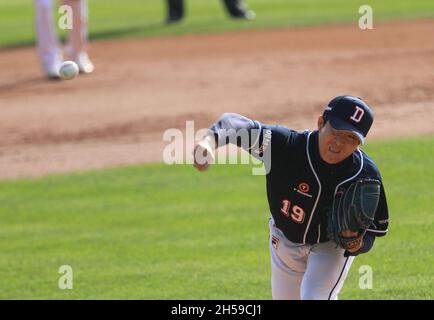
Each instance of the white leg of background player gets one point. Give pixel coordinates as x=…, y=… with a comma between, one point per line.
x=47, y=42
x=77, y=40
x=306, y=271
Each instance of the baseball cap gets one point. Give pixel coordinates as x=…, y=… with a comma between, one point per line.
x=351, y=114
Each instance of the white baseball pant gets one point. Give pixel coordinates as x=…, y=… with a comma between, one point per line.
x=306, y=272
x=47, y=40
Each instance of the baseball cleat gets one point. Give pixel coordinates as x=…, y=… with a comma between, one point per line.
x=244, y=14
x=174, y=19
x=83, y=62
x=249, y=15
x=52, y=70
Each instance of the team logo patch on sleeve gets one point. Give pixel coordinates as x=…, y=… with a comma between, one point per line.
x=266, y=141
x=274, y=241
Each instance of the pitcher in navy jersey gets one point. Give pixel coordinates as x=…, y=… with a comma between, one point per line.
x=305, y=170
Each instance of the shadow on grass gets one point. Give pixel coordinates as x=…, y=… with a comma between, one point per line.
x=132, y=31
x=138, y=30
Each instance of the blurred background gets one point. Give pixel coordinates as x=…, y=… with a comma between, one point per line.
x=110, y=19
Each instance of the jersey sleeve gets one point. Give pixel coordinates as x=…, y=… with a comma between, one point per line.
x=380, y=225
x=264, y=142
x=234, y=128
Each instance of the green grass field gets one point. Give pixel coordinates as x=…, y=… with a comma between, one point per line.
x=112, y=18
x=170, y=232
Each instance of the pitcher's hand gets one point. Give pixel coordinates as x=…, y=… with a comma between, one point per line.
x=204, y=153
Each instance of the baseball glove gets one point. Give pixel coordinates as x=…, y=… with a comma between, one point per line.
x=353, y=212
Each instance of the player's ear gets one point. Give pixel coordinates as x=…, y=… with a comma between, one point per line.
x=320, y=122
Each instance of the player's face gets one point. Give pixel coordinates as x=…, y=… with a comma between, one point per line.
x=335, y=145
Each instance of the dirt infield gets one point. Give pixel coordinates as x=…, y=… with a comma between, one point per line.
x=143, y=87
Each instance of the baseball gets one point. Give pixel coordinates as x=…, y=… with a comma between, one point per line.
x=68, y=70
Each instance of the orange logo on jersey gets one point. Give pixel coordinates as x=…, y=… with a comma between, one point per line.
x=303, y=187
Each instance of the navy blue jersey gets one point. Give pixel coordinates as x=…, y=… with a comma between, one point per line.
x=300, y=185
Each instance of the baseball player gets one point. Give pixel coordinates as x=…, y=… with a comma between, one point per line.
x=48, y=45
x=235, y=8
x=306, y=171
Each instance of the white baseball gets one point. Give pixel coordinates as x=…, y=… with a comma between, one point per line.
x=68, y=70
